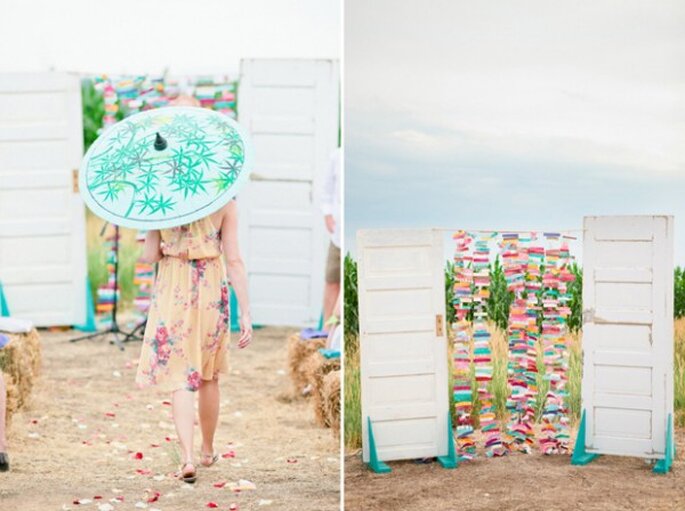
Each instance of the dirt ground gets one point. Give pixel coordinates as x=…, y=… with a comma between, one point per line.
x=80, y=436
x=517, y=482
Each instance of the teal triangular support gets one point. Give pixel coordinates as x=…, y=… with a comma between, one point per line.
x=663, y=466
x=580, y=454
x=89, y=325
x=449, y=461
x=235, y=323
x=320, y=326
x=329, y=354
x=235, y=314
x=4, y=308
x=374, y=463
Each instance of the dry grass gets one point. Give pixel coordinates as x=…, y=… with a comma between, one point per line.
x=299, y=351
x=331, y=400
x=20, y=363
x=316, y=367
x=129, y=251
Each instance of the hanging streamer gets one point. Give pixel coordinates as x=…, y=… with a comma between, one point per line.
x=555, y=435
x=463, y=397
x=482, y=352
x=521, y=366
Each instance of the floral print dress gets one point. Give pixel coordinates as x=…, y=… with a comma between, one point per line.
x=187, y=333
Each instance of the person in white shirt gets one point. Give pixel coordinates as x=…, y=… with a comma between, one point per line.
x=330, y=207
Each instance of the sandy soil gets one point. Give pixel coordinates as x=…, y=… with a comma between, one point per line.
x=65, y=446
x=517, y=482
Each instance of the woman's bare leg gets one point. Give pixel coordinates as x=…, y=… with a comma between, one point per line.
x=3, y=411
x=209, y=414
x=183, y=410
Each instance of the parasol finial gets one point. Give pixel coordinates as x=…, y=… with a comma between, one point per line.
x=160, y=142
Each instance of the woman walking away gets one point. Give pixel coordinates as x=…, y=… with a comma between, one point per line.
x=187, y=334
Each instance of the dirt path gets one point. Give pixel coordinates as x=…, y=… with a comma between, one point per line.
x=74, y=450
x=517, y=482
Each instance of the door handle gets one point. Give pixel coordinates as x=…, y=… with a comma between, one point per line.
x=438, y=325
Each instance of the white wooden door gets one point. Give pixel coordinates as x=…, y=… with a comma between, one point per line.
x=291, y=109
x=627, y=387
x=403, y=342
x=42, y=222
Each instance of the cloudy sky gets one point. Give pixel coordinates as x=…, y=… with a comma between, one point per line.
x=147, y=36
x=513, y=115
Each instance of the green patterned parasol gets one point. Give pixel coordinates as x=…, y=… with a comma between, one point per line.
x=166, y=167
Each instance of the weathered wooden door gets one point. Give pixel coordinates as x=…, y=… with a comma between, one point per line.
x=42, y=216
x=291, y=109
x=403, y=342
x=627, y=388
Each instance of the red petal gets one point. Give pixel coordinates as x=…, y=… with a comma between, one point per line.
x=138, y=455
x=220, y=484
x=212, y=504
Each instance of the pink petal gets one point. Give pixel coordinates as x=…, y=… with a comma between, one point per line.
x=154, y=498
x=220, y=484
x=229, y=454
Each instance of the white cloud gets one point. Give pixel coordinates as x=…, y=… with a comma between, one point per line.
x=148, y=36
x=571, y=108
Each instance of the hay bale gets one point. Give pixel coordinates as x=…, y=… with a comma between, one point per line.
x=331, y=400
x=298, y=352
x=20, y=362
x=316, y=367
x=13, y=396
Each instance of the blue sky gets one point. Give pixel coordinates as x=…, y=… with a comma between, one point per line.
x=521, y=115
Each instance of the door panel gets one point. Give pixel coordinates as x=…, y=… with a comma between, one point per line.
x=403, y=349
x=628, y=333
x=42, y=217
x=290, y=108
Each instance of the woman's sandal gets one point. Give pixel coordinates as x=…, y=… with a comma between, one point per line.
x=189, y=477
x=213, y=458
x=4, y=462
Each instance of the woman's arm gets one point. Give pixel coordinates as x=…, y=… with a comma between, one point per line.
x=152, y=250
x=235, y=267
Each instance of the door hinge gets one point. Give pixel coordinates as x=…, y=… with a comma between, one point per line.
x=74, y=180
x=438, y=325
